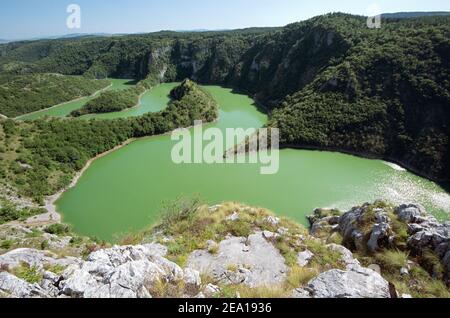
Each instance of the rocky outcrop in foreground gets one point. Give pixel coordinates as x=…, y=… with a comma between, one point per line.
x=224, y=251
x=138, y=272
x=373, y=228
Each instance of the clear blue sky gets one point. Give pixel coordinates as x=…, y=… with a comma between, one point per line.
x=36, y=18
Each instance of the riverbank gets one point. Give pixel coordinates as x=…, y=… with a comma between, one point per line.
x=50, y=201
x=65, y=103
x=361, y=154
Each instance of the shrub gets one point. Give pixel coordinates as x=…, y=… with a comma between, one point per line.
x=182, y=209
x=58, y=229
x=31, y=274
x=392, y=260
x=300, y=276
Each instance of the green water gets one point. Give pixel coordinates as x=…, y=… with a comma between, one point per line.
x=124, y=190
x=65, y=109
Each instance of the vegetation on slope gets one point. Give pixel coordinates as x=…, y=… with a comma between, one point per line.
x=22, y=94
x=111, y=101
x=387, y=97
x=417, y=273
x=40, y=157
x=332, y=82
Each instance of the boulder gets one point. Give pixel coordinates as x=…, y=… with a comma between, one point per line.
x=410, y=213
x=15, y=287
x=300, y=293
x=361, y=283
x=192, y=278
x=381, y=233
x=27, y=256
x=346, y=256
x=33, y=257
x=210, y=290
x=233, y=217
x=120, y=272
x=303, y=258
x=273, y=220
x=256, y=261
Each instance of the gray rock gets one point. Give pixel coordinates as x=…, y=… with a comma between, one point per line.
x=192, y=278
x=347, y=256
x=17, y=288
x=120, y=272
x=270, y=235
x=303, y=258
x=282, y=231
x=300, y=293
x=404, y=271
x=375, y=268
x=258, y=262
x=380, y=233
x=233, y=217
x=361, y=283
x=273, y=220
x=34, y=257
x=410, y=213
x=28, y=256
x=211, y=290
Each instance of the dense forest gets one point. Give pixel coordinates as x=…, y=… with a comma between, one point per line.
x=22, y=94
x=40, y=157
x=111, y=101
x=328, y=82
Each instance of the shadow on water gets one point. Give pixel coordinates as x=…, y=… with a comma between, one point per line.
x=131, y=83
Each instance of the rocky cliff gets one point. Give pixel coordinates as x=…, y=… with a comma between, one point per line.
x=232, y=250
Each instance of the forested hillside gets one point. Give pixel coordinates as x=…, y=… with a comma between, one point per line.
x=39, y=158
x=329, y=82
x=21, y=94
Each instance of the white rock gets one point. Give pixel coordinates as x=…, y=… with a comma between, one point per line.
x=362, y=283
x=17, y=288
x=303, y=258
x=270, y=235
x=300, y=293
x=347, y=256
x=233, y=217
x=258, y=261
x=192, y=278
x=211, y=290
x=28, y=256
x=273, y=220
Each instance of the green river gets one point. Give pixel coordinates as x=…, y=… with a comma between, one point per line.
x=123, y=191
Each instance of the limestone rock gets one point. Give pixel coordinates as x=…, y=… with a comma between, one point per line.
x=233, y=217
x=300, y=293
x=120, y=272
x=211, y=290
x=361, y=283
x=192, y=278
x=303, y=258
x=17, y=288
x=346, y=256
x=380, y=233
x=256, y=260
x=273, y=220
x=28, y=256
x=410, y=213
